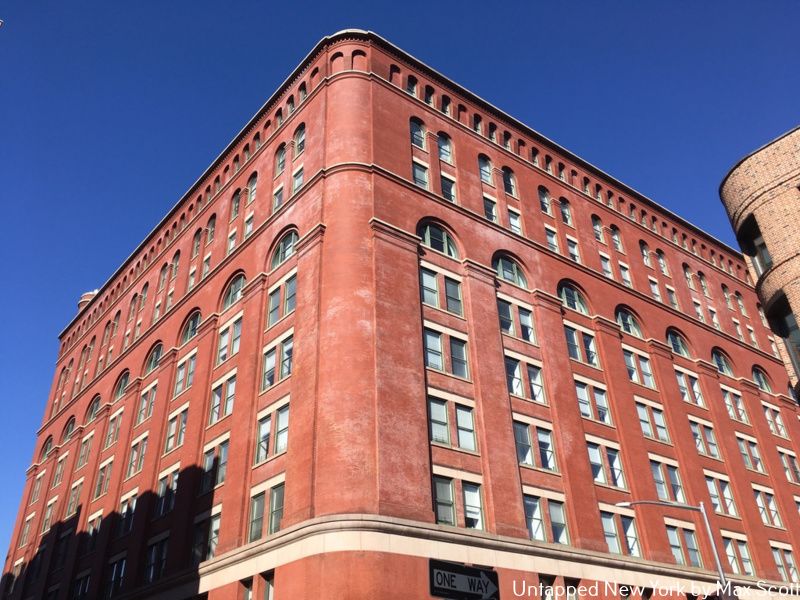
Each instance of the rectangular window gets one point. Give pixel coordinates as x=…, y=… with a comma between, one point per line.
x=719, y=490
x=452, y=293
x=443, y=500
x=458, y=357
x=490, y=209
x=256, y=527
x=625, y=275
x=605, y=267
x=592, y=402
x=231, y=241
x=606, y=465
x=248, y=226
x=419, y=174
x=473, y=509
x=277, y=199
x=146, y=402
x=103, y=479
x=552, y=240
x=667, y=481
x=74, y=498
x=448, y=189
x=738, y=556
x=790, y=466
x=439, y=427
x=613, y=526
x=155, y=560
x=684, y=546
x=580, y=346
x=283, y=354
x=775, y=421
x=229, y=338
x=639, y=370
x=429, y=285
x=689, y=387
x=734, y=406
x=166, y=491
x=127, y=510
x=515, y=222
x=672, y=298
x=136, y=458
x=222, y=398
x=750, y=454
x=652, y=423
x=215, y=467
x=206, y=537
x=655, y=291
x=113, y=578
x=184, y=375
x=275, y=508
x=297, y=180
x=112, y=433
x=546, y=519
x=572, y=250
x=767, y=508
x=176, y=431
x=465, y=426
x=544, y=457
x=282, y=430
x=784, y=561
x=704, y=439
x=263, y=439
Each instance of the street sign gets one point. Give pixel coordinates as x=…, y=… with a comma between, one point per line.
x=459, y=582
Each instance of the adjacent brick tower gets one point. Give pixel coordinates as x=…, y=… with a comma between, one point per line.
x=396, y=344
x=762, y=196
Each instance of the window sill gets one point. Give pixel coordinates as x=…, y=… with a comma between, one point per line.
x=269, y=459
x=444, y=311
x=446, y=374
x=540, y=469
x=524, y=341
x=218, y=421
x=455, y=448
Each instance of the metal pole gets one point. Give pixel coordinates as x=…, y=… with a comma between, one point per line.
x=722, y=580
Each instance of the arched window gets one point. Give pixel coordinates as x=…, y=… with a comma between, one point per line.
x=493, y=132
x=445, y=105
x=285, y=248
x=211, y=227
x=69, y=429
x=445, y=147
x=176, y=263
x=411, y=85
x=677, y=343
x=645, y=251
x=191, y=326
x=597, y=227
x=485, y=167
x=722, y=362
x=153, y=358
x=278, y=118
x=301, y=92
x=290, y=105
x=476, y=123
x=280, y=159
x=508, y=270
x=687, y=275
x=236, y=201
x=94, y=408
x=162, y=277
x=299, y=140
x=251, y=187
x=740, y=302
x=566, y=213
x=727, y=295
x=417, y=129
x=761, y=380
x=47, y=448
x=616, y=238
x=544, y=200
x=234, y=292
x=703, y=283
x=509, y=182
x=436, y=237
x=628, y=322
x=662, y=263
x=122, y=385
x=572, y=298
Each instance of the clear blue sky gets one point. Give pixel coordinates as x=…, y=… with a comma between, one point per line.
x=110, y=110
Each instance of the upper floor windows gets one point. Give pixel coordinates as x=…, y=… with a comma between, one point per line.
x=677, y=343
x=234, y=291
x=445, y=146
x=572, y=298
x=280, y=159
x=211, y=227
x=153, y=358
x=299, y=140
x=544, y=200
x=437, y=238
x=417, y=133
x=645, y=251
x=285, y=249
x=628, y=322
x=94, y=408
x=411, y=85
x=434, y=344
x=191, y=327
x=509, y=182
x=662, y=263
x=722, y=362
x=616, y=238
x=251, y=187
x=508, y=270
x=47, y=448
x=761, y=380
x=566, y=212
x=597, y=228
x=485, y=168
x=122, y=385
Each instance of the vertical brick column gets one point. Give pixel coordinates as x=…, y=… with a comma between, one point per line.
x=502, y=484
x=300, y=470
x=400, y=396
x=582, y=514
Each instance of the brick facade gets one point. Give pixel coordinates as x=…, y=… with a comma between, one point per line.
x=415, y=330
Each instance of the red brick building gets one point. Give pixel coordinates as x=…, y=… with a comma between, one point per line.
x=485, y=345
